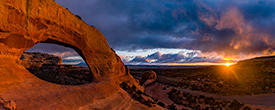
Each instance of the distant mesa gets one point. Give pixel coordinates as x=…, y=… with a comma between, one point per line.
x=38, y=59
x=82, y=64
x=49, y=68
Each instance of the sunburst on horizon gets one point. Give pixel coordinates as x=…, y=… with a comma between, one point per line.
x=227, y=64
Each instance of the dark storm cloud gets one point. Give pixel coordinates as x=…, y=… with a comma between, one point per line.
x=51, y=48
x=54, y=49
x=139, y=24
x=181, y=57
x=230, y=27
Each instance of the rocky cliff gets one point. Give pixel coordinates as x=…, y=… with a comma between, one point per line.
x=25, y=23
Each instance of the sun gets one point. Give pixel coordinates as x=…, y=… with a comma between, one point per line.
x=227, y=64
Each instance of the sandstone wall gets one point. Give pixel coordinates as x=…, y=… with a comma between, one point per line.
x=25, y=23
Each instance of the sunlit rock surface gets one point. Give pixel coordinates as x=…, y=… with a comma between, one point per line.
x=25, y=23
x=7, y=105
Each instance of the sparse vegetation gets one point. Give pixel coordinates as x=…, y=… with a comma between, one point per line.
x=235, y=105
x=255, y=78
x=78, y=17
x=172, y=107
x=161, y=104
x=137, y=94
x=59, y=74
x=200, y=102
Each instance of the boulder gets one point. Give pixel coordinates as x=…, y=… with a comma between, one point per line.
x=148, y=78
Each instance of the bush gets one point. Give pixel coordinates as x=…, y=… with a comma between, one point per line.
x=139, y=92
x=134, y=87
x=78, y=17
x=209, y=101
x=247, y=108
x=202, y=96
x=172, y=107
x=161, y=104
x=235, y=105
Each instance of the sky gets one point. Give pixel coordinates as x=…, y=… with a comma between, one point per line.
x=179, y=32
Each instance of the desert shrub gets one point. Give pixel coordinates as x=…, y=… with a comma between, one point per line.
x=224, y=103
x=139, y=92
x=202, y=96
x=78, y=17
x=247, y=108
x=172, y=107
x=209, y=101
x=191, y=100
x=235, y=105
x=156, y=100
x=219, y=107
x=134, y=87
x=161, y=104
x=197, y=107
x=206, y=108
x=184, y=94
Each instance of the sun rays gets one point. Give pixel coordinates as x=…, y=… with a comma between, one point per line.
x=227, y=64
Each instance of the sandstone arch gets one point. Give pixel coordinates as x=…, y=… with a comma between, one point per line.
x=24, y=23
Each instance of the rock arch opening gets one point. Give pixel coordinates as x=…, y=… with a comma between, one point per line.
x=57, y=62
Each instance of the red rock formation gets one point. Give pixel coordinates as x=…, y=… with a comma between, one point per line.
x=25, y=23
x=38, y=59
x=7, y=105
x=148, y=77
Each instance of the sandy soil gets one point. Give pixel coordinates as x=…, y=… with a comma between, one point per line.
x=156, y=91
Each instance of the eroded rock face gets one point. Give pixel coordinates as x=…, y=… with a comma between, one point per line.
x=148, y=77
x=24, y=23
x=7, y=105
x=38, y=59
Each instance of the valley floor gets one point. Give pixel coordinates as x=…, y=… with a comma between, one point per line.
x=156, y=90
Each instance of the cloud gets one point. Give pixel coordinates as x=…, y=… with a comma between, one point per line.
x=236, y=29
x=181, y=57
x=68, y=55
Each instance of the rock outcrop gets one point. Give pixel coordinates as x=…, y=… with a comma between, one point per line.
x=25, y=23
x=7, y=105
x=50, y=68
x=148, y=78
x=38, y=59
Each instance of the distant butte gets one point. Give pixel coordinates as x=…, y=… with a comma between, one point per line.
x=25, y=23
